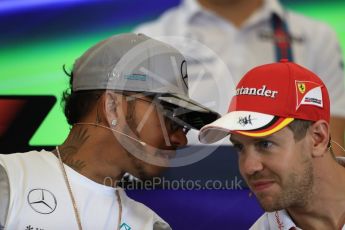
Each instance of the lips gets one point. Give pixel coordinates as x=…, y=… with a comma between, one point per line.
x=259, y=186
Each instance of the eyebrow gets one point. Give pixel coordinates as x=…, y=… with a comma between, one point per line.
x=255, y=139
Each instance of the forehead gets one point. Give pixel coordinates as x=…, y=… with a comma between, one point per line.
x=281, y=135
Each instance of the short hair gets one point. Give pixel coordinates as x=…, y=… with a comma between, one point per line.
x=78, y=104
x=299, y=128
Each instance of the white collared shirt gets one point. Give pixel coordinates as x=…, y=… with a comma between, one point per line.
x=278, y=220
x=315, y=46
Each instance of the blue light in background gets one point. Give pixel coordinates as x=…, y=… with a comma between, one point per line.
x=15, y=5
x=25, y=21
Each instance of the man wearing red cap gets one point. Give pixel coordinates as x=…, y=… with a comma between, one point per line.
x=279, y=123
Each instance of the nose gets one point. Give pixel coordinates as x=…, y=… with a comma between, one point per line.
x=250, y=162
x=178, y=138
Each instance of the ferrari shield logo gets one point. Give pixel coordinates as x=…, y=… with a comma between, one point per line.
x=308, y=93
x=301, y=87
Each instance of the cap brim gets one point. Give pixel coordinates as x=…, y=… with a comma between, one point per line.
x=191, y=112
x=246, y=123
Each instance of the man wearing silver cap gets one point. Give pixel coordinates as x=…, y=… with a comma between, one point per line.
x=129, y=111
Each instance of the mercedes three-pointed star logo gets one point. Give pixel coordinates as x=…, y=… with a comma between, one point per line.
x=42, y=201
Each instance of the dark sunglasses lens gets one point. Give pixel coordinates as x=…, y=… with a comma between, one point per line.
x=175, y=126
x=176, y=122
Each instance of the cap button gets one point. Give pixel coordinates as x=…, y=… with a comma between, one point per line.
x=284, y=60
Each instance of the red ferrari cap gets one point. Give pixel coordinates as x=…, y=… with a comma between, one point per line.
x=268, y=98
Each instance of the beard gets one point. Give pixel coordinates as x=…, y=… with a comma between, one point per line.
x=147, y=161
x=295, y=192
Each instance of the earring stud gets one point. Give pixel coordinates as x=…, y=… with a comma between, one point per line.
x=114, y=122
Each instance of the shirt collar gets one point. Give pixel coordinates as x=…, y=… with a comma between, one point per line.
x=281, y=220
x=194, y=9
x=273, y=6
x=268, y=8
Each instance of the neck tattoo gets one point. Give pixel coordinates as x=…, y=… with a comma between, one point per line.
x=74, y=203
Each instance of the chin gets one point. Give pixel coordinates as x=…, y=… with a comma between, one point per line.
x=154, y=171
x=149, y=172
x=270, y=205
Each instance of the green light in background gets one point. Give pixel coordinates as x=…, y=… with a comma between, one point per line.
x=330, y=12
x=36, y=69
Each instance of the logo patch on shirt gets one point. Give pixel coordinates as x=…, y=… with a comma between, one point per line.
x=266, y=35
x=42, y=201
x=308, y=93
x=125, y=226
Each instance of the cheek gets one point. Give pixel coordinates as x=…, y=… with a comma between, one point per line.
x=151, y=129
x=286, y=157
x=291, y=163
x=295, y=156
x=152, y=135
x=240, y=165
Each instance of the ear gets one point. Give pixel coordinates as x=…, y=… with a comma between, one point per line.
x=110, y=103
x=320, y=134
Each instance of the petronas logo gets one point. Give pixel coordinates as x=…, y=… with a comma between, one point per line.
x=125, y=226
